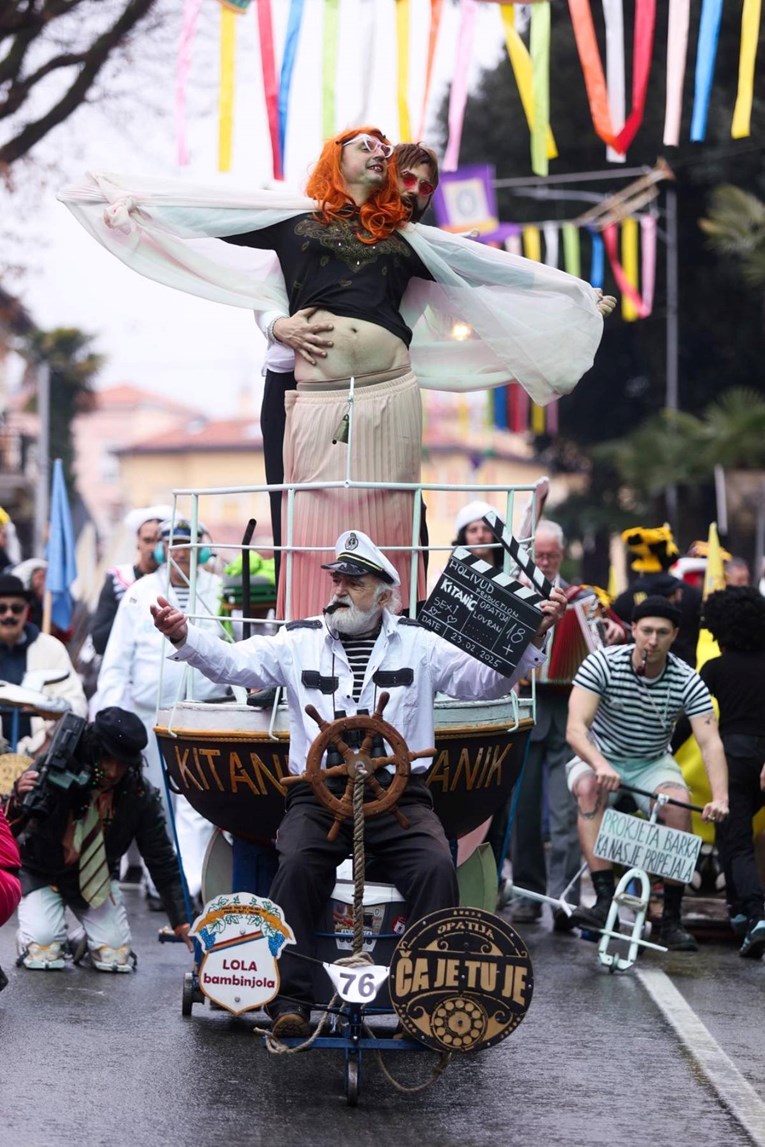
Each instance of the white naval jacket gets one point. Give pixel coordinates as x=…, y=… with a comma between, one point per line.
x=408, y=662
x=133, y=658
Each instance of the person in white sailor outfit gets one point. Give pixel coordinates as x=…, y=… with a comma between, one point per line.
x=342, y=661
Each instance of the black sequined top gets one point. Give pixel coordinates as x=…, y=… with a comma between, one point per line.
x=327, y=266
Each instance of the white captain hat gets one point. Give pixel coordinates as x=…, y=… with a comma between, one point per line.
x=357, y=555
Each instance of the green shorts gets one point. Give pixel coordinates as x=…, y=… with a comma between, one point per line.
x=648, y=775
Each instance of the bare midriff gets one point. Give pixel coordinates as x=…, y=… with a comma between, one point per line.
x=359, y=348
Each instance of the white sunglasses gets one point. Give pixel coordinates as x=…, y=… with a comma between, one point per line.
x=371, y=144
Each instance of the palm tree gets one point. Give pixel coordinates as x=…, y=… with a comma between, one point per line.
x=736, y=230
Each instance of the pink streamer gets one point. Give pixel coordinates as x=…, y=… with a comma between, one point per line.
x=648, y=259
x=458, y=94
x=188, y=32
x=610, y=234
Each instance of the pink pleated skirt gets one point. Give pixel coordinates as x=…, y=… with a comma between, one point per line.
x=386, y=446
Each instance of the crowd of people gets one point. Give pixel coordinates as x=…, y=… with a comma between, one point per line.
x=354, y=296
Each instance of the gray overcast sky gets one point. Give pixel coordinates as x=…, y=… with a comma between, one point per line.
x=195, y=351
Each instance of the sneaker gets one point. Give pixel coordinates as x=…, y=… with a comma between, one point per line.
x=292, y=1023
x=526, y=912
x=674, y=937
x=106, y=959
x=43, y=957
x=754, y=941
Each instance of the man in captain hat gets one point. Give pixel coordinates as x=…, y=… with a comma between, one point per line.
x=342, y=660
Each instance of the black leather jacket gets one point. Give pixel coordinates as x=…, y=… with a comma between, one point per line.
x=137, y=815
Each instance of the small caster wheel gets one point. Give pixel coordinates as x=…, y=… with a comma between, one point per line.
x=188, y=998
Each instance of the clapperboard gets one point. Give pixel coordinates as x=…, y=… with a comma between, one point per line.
x=479, y=608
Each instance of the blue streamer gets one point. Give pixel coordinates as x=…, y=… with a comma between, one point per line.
x=288, y=66
x=597, y=266
x=500, y=396
x=706, y=54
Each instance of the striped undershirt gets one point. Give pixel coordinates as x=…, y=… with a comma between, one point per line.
x=182, y=593
x=358, y=651
x=636, y=715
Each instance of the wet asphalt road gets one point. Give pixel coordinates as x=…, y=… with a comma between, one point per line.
x=92, y=1060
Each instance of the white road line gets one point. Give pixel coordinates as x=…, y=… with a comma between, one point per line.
x=734, y=1090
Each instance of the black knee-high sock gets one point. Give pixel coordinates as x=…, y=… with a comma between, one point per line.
x=673, y=900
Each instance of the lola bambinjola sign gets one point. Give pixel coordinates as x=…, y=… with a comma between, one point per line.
x=483, y=610
x=460, y=980
x=242, y=937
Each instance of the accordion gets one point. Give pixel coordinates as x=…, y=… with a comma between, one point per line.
x=575, y=635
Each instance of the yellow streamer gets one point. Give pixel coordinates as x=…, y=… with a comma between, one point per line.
x=402, y=42
x=226, y=99
x=630, y=265
x=520, y=61
x=537, y=418
x=532, y=242
x=750, y=27
x=540, y=84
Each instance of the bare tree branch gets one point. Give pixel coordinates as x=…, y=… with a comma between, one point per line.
x=90, y=62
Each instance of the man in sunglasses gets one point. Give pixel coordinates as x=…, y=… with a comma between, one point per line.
x=348, y=257
x=416, y=172
x=33, y=660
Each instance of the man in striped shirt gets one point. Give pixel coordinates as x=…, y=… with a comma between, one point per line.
x=343, y=660
x=623, y=706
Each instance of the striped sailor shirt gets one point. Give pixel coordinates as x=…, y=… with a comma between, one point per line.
x=636, y=716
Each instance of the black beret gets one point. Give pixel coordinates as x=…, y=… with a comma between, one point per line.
x=12, y=586
x=656, y=606
x=122, y=734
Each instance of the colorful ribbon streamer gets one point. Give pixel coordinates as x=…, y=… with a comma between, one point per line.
x=188, y=32
x=294, y=20
x=572, y=261
x=270, y=86
x=551, y=233
x=532, y=242
x=630, y=268
x=677, y=52
x=539, y=50
x=329, y=67
x=458, y=94
x=751, y=15
x=592, y=69
x=648, y=236
x=706, y=54
x=597, y=261
x=435, y=23
x=228, y=20
x=626, y=286
x=403, y=18
x=520, y=61
x=613, y=13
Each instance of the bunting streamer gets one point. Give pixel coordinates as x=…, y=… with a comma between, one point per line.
x=367, y=40
x=551, y=234
x=188, y=32
x=270, y=87
x=677, y=52
x=751, y=14
x=458, y=94
x=613, y=12
x=706, y=54
x=537, y=419
x=294, y=21
x=648, y=237
x=592, y=69
x=520, y=61
x=228, y=20
x=436, y=7
x=499, y=399
x=609, y=235
x=403, y=17
x=532, y=242
x=597, y=261
x=540, y=85
x=572, y=250
x=630, y=267
x=329, y=67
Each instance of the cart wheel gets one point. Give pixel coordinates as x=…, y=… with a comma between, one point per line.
x=188, y=997
x=352, y=1078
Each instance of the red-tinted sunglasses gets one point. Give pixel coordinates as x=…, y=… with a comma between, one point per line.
x=410, y=180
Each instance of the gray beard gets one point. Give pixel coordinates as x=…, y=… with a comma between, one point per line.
x=350, y=621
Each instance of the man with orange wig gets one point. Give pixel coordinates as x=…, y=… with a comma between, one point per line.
x=350, y=256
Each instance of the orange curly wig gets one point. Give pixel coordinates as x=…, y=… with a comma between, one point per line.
x=380, y=215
